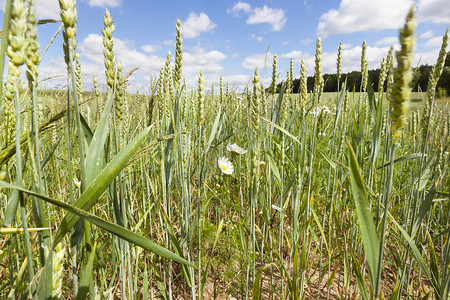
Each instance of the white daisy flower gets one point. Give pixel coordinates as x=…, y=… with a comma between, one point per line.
x=77, y=183
x=325, y=109
x=276, y=207
x=236, y=149
x=225, y=165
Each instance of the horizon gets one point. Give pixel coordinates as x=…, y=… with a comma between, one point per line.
x=233, y=38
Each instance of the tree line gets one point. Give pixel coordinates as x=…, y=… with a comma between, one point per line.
x=418, y=83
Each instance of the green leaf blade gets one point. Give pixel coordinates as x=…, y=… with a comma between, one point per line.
x=89, y=197
x=365, y=220
x=115, y=229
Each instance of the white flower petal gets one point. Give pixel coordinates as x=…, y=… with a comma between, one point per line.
x=234, y=148
x=77, y=183
x=225, y=165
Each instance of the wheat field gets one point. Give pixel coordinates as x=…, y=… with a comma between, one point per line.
x=192, y=194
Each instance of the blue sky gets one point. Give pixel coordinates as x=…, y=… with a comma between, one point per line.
x=232, y=38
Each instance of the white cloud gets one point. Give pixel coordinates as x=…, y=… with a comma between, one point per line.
x=196, y=24
x=306, y=41
x=91, y=54
x=47, y=9
x=105, y=3
x=434, y=42
x=194, y=61
x=294, y=54
x=389, y=40
x=346, y=46
x=44, y=9
x=427, y=34
x=272, y=16
x=257, y=37
x=436, y=11
x=260, y=61
x=426, y=58
x=237, y=82
x=169, y=42
x=351, y=59
x=91, y=48
x=240, y=6
x=363, y=15
x=150, y=48
x=53, y=73
x=201, y=60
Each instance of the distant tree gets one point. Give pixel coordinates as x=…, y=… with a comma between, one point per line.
x=444, y=81
x=330, y=83
x=374, y=76
x=420, y=79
